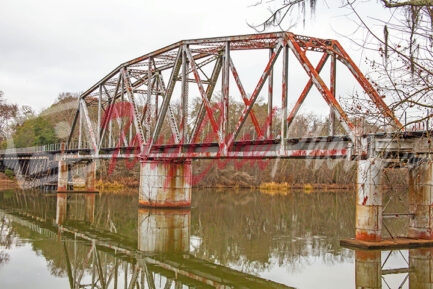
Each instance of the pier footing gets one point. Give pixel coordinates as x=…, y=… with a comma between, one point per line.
x=396, y=243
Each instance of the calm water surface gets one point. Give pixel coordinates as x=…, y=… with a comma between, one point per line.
x=228, y=239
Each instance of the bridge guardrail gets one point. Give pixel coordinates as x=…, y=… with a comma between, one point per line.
x=44, y=148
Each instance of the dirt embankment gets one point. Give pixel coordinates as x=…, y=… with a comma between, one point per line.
x=6, y=183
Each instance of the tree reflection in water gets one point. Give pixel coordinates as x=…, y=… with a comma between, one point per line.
x=250, y=228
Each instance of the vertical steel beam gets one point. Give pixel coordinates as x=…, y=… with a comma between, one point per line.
x=184, y=95
x=270, y=98
x=225, y=90
x=80, y=131
x=148, y=116
x=98, y=129
x=284, y=95
x=333, y=89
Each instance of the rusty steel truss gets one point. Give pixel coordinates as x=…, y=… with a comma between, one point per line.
x=177, y=102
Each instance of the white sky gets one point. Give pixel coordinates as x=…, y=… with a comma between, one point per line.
x=53, y=46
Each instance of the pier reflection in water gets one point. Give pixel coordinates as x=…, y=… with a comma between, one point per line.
x=226, y=240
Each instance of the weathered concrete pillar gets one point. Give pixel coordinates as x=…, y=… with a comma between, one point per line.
x=369, y=200
x=165, y=184
x=91, y=176
x=368, y=269
x=63, y=176
x=164, y=230
x=420, y=268
x=421, y=200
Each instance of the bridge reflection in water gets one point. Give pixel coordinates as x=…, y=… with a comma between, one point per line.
x=97, y=245
x=99, y=259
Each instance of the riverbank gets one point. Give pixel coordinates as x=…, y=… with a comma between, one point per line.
x=6, y=183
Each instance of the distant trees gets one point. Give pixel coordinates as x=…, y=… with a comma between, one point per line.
x=50, y=126
x=7, y=113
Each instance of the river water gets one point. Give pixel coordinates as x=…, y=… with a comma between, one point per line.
x=227, y=239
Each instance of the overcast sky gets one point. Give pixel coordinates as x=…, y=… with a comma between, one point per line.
x=52, y=46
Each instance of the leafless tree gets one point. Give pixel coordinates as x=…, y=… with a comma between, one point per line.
x=400, y=58
x=7, y=112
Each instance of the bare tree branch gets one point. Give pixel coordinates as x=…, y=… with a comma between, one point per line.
x=398, y=4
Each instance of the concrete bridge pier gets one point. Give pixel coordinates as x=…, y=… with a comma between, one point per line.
x=165, y=184
x=369, y=200
x=421, y=199
x=63, y=176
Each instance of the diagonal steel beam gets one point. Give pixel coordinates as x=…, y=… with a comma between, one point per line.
x=305, y=91
x=209, y=91
x=245, y=99
x=205, y=100
x=366, y=85
x=321, y=86
x=255, y=93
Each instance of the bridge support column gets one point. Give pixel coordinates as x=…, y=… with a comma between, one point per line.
x=369, y=200
x=421, y=200
x=165, y=184
x=63, y=176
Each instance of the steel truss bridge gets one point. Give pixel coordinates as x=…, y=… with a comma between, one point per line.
x=178, y=102
x=228, y=97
